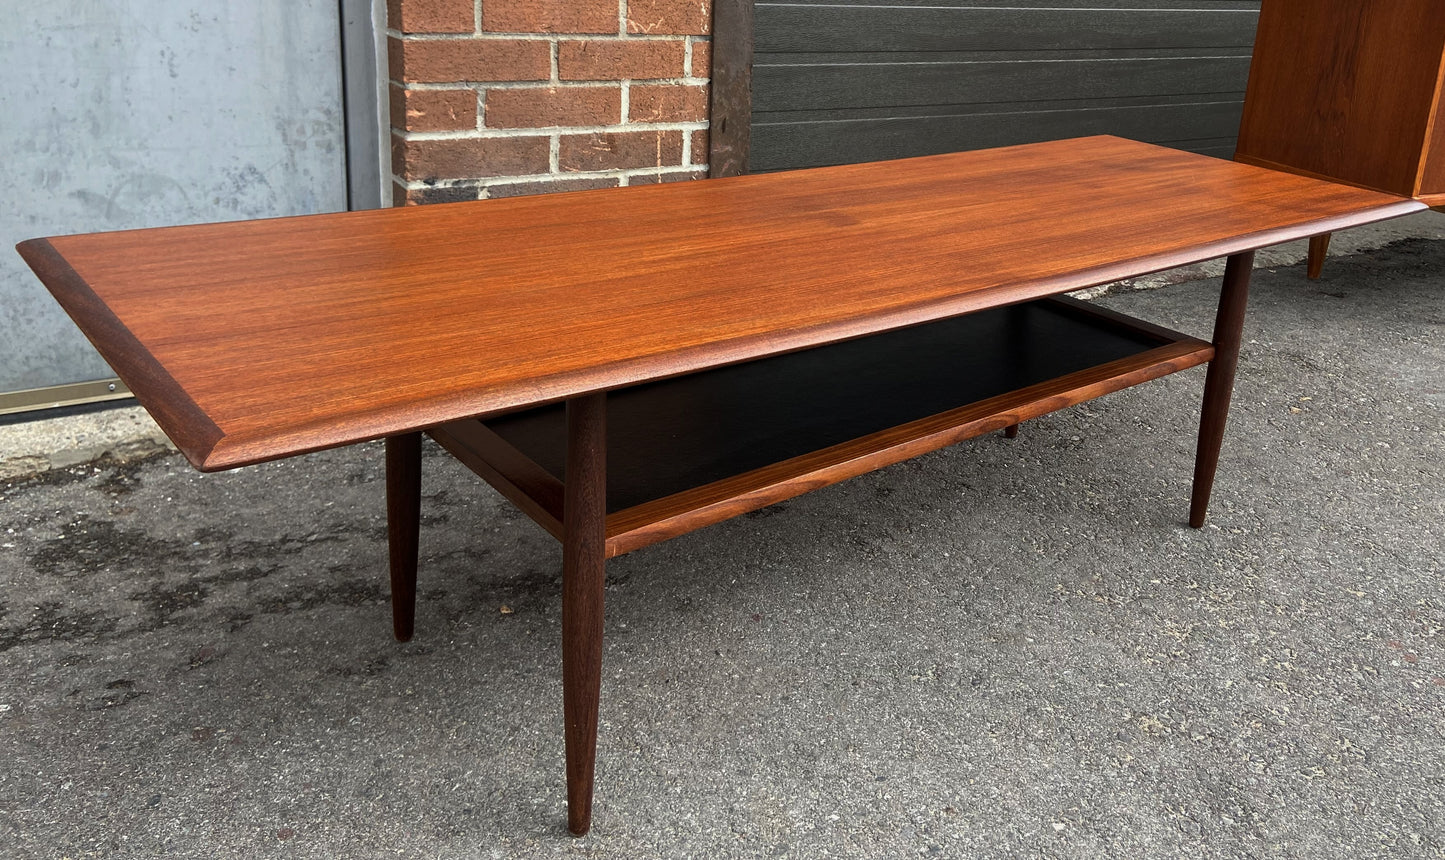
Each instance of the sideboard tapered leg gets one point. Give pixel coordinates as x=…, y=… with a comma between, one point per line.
x=403, y=527
x=584, y=562
x=1219, y=383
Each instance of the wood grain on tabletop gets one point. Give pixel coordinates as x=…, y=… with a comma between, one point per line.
x=256, y=340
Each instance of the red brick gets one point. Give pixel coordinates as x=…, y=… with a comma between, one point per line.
x=396, y=103
x=469, y=158
x=398, y=156
x=658, y=178
x=667, y=103
x=548, y=186
x=442, y=194
x=678, y=17
x=619, y=59
x=398, y=194
x=433, y=110
x=620, y=150
x=699, y=146
x=432, y=16
x=545, y=107
x=702, y=59
x=549, y=16
x=456, y=60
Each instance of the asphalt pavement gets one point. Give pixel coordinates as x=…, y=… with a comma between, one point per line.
x=1009, y=648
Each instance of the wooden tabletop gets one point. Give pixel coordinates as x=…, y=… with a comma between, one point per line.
x=256, y=340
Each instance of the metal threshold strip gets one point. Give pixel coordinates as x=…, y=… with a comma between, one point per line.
x=55, y=396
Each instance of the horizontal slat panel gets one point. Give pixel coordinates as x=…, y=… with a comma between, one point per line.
x=1028, y=5
x=863, y=58
x=969, y=27
x=1219, y=147
x=837, y=81
x=785, y=145
x=1048, y=106
x=876, y=85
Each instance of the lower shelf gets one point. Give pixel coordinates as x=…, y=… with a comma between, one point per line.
x=687, y=452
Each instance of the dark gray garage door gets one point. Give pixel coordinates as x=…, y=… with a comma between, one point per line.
x=859, y=80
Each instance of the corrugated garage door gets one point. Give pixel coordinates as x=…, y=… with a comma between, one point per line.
x=859, y=80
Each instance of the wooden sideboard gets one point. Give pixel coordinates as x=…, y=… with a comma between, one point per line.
x=1351, y=91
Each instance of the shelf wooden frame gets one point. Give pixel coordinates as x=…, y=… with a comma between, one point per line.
x=538, y=491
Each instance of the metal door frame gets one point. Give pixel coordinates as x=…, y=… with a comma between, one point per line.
x=364, y=102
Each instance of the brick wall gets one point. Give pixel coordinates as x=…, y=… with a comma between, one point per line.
x=495, y=98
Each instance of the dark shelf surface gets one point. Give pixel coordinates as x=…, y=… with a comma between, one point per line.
x=674, y=435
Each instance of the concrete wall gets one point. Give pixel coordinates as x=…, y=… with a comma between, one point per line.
x=153, y=112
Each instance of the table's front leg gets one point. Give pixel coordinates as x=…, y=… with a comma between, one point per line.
x=1219, y=384
x=584, y=561
x=403, y=527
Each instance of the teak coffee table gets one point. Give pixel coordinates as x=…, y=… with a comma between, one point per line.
x=630, y=364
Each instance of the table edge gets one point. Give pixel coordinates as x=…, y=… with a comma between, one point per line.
x=182, y=419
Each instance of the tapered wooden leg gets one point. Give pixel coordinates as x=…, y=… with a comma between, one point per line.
x=1019, y=350
x=584, y=516
x=1219, y=384
x=1319, y=246
x=403, y=525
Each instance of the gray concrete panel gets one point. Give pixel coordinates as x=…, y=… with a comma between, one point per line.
x=154, y=112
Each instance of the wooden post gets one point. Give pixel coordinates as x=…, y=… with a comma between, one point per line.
x=1219, y=384
x=731, y=96
x=403, y=527
x=584, y=562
